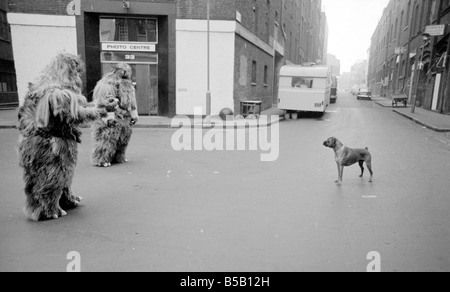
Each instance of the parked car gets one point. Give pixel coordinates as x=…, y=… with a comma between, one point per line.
x=364, y=94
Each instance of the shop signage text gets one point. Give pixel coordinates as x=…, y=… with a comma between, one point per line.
x=435, y=30
x=128, y=47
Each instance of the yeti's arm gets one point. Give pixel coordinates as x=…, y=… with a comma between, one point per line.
x=27, y=115
x=87, y=112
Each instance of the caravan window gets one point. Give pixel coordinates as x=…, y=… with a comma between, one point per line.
x=300, y=82
x=303, y=82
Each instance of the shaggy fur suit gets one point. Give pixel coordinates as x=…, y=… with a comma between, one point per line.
x=49, y=121
x=112, y=135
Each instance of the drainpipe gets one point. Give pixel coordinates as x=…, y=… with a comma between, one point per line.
x=409, y=53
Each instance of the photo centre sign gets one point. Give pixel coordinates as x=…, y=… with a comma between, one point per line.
x=128, y=47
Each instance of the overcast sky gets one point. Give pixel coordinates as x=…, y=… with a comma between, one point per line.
x=351, y=24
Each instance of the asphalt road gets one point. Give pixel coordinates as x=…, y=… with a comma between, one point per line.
x=194, y=211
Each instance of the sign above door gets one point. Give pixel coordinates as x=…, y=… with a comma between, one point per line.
x=128, y=47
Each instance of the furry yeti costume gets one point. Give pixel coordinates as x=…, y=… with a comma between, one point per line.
x=49, y=122
x=110, y=139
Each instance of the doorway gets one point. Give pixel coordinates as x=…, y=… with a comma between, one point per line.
x=146, y=84
x=434, y=101
x=145, y=80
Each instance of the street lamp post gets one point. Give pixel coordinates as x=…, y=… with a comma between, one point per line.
x=208, y=90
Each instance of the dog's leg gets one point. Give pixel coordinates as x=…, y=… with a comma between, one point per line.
x=361, y=164
x=369, y=167
x=339, y=173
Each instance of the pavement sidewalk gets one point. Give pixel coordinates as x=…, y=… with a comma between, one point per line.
x=8, y=120
x=427, y=118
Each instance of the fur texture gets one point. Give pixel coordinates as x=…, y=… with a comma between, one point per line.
x=49, y=122
x=110, y=140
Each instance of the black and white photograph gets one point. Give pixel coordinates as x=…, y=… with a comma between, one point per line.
x=225, y=141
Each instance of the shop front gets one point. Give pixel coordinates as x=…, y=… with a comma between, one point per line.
x=133, y=41
x=108, y=35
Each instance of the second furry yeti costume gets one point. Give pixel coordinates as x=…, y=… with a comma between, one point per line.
x=49, y=122
x=111, y=136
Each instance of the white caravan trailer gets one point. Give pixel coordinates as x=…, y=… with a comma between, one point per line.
x=304, y=88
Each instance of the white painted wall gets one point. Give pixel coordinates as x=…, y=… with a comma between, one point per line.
x=36, y=39
x=191, y=51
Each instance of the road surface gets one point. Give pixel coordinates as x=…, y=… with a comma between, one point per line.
x=225, y=211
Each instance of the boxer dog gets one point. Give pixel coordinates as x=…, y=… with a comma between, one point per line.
x=346, y=156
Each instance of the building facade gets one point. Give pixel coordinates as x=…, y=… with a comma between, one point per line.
x=398, y=49
x=334, y=63
x=325, y=37
x=166, y=44
x=39, y=30
x=8, y=84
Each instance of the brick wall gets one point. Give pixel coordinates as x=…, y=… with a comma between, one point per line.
x=243, y=87
x=258, y=17
x=53, y=7
x=197, y=9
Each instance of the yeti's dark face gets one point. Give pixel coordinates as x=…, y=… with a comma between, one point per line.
x=123, y=71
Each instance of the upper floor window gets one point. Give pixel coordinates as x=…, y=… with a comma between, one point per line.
x=445, y=4
x=266, y=75
x=4, y=27
x=129, y=30
x=253, y=72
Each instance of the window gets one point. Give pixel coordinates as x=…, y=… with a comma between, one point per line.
x=122, y=27
x=395, y=30
x=4, y=27
x=7, y=82
x=391, y=34
x=266, y=75
x=254, y=72
x=408, y=12
x=445, y=5
x=255, y=16
x=141, y=30
x=421, y=16
x=300, y=82
x=416, y=25
x=129, y=30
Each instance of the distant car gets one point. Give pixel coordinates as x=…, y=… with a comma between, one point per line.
x=364, y=94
